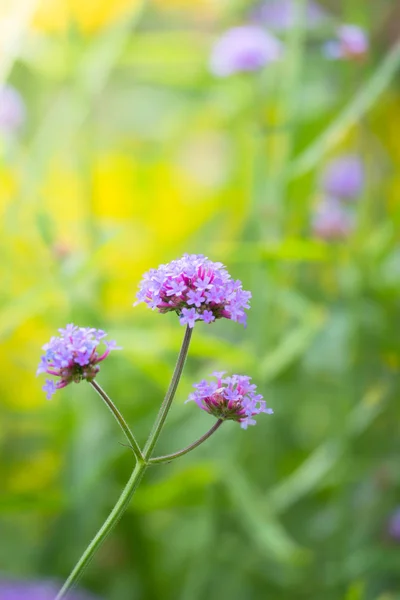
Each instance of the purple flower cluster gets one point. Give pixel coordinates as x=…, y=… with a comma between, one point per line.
x=281, y=14
x=230, y=398
x=331, y=220
x=196, y=289
x=394, y=525
x=12, y=110
x=73, y=356
x=245, y=48
x=351, y=43
x=344, y=177
x=342, y=181
x=36, y=590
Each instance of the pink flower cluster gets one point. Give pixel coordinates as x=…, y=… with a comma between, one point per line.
x=197, y=289
x=230, y=398
x=73, y=356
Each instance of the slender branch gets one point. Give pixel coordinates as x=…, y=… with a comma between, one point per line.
x=169, y=457
x=109, y=524
x=138, y=472
x=121, y=421
x=166, y=405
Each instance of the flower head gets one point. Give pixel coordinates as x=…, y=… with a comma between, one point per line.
x=73, y=356
x=12, y=110
x=246, y=48
x=351, y=43
x=230, y=398
x=281, y=14
x=197, y=289
x=36, y=590
x=344, y=177
x=331, y=220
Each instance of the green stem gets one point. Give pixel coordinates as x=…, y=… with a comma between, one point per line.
x=166, y=405
x=169, y=457
x=121, y=421
x=109, y=524
x=138, y=472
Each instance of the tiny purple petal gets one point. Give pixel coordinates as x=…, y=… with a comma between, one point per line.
x=207, y=316
x=50, y=388
x=189, y=316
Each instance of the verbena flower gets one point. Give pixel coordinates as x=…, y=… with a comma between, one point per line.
x=37, y=590
x=246, y=48
x=197, y=289
x=281, y=14
x=72, y=356
x=230, y=398
x=344, y=177
x=351, y=43
x=12, y=110
x=394, y=525
x=331, y=220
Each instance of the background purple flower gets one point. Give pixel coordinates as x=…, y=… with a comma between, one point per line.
x=394, y=525
x=246, y=48
x=230, y=398
x=12, y=110
x=344, y=177
x=37, y=590
x=351, y=43
x=331, y=220
x=281, y=14
x=73, y=356
x=196, y=289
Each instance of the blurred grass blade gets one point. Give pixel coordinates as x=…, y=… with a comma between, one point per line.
x=311, y=473
x=259, y=521
x=292, y=346
x=362, y=102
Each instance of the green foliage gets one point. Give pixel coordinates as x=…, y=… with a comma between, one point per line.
x=131, y=155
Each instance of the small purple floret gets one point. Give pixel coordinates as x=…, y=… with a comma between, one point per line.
x=246, y=48
x=72, y=356
x=230, y=398
x=196, y=289
x=344, y=177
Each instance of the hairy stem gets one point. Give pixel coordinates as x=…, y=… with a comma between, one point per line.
x=121, y=421
x=166, y=405
x=138, y=472
x=169, y=457
x=113, y=518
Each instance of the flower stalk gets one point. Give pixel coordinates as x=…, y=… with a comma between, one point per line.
x=120, y=420
x=143, y=461
x=203, y=438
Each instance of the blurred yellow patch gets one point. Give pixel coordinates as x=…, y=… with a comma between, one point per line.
x=19, y=355
x=89, y=15
x=37, y=474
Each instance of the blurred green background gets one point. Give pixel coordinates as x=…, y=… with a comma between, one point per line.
x=131, y=154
